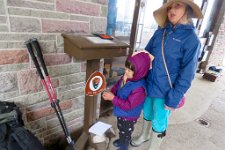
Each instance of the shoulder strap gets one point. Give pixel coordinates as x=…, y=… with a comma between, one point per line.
x=7, y=117
x=10, y=113
x=164, y=60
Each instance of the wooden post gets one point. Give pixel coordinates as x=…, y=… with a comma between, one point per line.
x=133, y=35
x=90, y=106
x=90, y=101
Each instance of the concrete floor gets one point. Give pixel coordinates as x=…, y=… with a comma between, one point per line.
x=205, y=101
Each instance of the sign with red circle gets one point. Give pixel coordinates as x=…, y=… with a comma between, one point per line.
x=96, y=83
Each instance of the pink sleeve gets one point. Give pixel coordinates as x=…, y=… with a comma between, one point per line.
x=134, y=99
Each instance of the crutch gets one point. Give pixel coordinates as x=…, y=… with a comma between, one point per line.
x=46, y=81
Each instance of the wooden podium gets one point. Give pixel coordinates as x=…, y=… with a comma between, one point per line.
x=91, y=49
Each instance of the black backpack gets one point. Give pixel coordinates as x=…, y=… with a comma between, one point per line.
x=13, y=136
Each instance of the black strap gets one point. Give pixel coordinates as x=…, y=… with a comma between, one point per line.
x=7, y=117
x=161, y=135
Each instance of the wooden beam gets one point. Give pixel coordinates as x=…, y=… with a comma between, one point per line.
x=133, y=35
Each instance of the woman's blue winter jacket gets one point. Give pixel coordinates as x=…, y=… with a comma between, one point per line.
x=181, y=50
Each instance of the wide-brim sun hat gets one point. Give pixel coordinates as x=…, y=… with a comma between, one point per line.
x=160, y=14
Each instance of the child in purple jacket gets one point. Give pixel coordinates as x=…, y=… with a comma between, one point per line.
x=128, y=96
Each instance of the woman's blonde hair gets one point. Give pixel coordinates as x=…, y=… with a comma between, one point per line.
x=190, y=14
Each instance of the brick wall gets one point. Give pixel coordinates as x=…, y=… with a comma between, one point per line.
x=45, y=20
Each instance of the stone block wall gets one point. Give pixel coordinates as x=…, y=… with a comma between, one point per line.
x=45, y=20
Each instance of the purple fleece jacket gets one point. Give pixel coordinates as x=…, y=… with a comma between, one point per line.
x=141, y=62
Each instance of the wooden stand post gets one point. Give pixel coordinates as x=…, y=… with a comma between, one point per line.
x=81, y=48
x=90, y=101
x=90, y=106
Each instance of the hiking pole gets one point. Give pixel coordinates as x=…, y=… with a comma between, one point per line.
x=37, y=47
x=46, y=81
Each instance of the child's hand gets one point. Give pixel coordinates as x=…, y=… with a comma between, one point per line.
x=125, y=77
x=108, y=96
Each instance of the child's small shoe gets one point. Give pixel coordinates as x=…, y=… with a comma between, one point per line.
x=117, y=143
x=124, y=146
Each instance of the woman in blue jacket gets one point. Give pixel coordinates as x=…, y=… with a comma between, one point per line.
x=177, y=38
